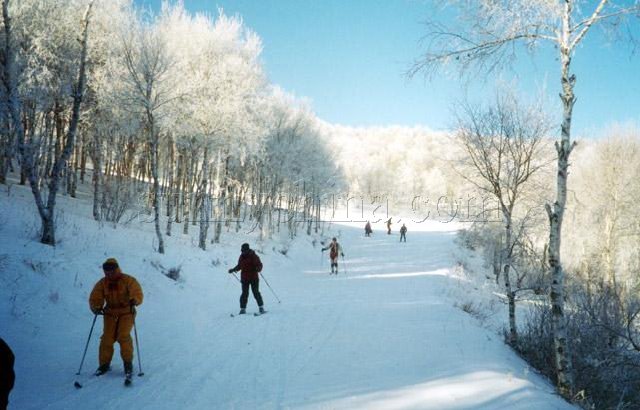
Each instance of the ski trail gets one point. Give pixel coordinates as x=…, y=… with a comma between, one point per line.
x=386, y=335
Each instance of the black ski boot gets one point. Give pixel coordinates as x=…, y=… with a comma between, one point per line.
x=102, y=369
x=242, y=311
x=128, y=373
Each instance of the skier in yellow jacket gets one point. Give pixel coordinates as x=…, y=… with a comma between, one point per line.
x=115, y=297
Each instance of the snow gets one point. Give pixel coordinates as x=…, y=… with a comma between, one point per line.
x=383, y=334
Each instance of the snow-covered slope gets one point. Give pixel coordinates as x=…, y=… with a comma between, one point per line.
x=384, y=333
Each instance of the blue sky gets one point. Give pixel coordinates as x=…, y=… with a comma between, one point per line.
x=349, y=57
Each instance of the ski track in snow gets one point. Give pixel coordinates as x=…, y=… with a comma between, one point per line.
x=385, y=335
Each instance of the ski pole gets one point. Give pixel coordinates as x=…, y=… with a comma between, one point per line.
x=234, y=275
x=135, y=332
x=95, y=316
x=344, y=264
x=265, y=281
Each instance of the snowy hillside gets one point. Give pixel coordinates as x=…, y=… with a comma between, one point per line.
x=384, y=333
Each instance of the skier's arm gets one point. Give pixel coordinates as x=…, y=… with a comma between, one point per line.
x=135, y=292
x=235, y=268
x=96, y=298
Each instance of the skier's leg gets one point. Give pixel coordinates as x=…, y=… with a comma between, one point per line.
x=107, y=340
x=125, y=324
x=255, y=289
x=245, y=295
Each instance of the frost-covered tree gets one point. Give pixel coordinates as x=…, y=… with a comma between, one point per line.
x=302, y=167
x=148, y=91
x=504, y=147
x=488, y=35
x=30, y=144
x=399, y=164
x=604, y=214
x=219, y=75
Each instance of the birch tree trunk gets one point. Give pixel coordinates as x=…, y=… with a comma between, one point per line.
x=170, y=190
x=83, y=158
x=221, y=183
x=513, y=332
x=156, y=181
x=564, y=368
x=7, y=147
x=97, y=178
x=204, y=202
x=179, y=188
x=556, y=215
x=187, y=199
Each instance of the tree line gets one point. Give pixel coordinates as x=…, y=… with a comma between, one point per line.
x=172, y=112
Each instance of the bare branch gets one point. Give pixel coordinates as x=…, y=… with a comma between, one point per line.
x=587, y=24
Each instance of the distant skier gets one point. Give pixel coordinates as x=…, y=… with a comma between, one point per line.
x=250, y=266
x=403, y=233
x=367, y=229
x=334, y=250
x=115, y=297
x=7, y=375
x=389, y=227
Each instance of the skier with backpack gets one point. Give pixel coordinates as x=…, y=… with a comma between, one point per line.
x=334, y=250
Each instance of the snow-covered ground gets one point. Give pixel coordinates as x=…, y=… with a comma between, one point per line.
x=385, y=333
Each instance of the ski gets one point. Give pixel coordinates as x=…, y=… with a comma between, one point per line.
x=79, y=385
x=91, y=377
x=242, y=312
x=259, y=314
